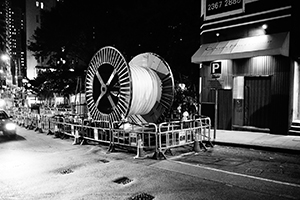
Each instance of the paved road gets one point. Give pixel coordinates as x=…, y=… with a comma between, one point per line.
x=38, y=166
x=274, y=165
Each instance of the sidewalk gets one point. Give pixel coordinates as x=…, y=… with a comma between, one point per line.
x=258, y=140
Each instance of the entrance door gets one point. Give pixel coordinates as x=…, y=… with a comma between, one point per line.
x=224, y=109
x=257, y=94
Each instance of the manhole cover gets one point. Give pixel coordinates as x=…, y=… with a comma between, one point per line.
x=66, y=171
x=123, y=180
x=254, y=170
x=142, y=196
x=275, y=170
x=103, y=160
x=231, y=161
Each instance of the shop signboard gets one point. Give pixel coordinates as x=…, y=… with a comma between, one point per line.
x=220, y=8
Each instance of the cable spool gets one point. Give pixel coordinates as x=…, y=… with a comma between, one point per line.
x=141, y=91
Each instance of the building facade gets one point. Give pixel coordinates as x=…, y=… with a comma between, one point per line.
x=34, y=9
x=249, y=65
x=13, y=41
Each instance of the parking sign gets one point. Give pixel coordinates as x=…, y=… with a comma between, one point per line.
x=215, y=67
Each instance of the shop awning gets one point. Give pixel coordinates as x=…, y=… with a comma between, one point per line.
x=276, y=44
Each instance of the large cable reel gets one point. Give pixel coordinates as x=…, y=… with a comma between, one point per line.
x=141, y=90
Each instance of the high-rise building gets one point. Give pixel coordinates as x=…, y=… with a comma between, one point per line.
x=2, y=42
x=13, y=45
x=34, y=10
x=18, y=21
x=2, y=25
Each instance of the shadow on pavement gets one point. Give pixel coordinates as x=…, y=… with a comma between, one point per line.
x=4, y=138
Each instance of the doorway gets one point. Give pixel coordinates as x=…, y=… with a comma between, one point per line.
x=296, y=102
x=257, y=96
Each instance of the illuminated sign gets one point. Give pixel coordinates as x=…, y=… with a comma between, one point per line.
x=215, y=67
x=220, y=8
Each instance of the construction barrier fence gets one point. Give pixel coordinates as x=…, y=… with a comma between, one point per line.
x=150, y=136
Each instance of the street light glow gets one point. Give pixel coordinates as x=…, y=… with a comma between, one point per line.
x=5, y=57
x=265, y=26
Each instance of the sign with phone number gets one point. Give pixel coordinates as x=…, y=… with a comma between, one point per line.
x=220, y=8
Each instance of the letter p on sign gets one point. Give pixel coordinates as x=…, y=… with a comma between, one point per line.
x=215, y=67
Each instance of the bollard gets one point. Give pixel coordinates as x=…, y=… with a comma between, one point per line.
x=196, y=143
x=140, y=150
x=40, y=129
x=76, y=138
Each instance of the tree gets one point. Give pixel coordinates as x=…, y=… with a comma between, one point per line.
x=72, y=32
x=63, y=42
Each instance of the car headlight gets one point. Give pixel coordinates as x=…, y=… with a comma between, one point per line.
x=10, y=126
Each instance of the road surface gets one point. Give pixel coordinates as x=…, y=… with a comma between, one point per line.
x=39, y=166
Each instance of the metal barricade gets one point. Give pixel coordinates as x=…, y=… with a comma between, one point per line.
x=179, y=133
x=59, y=122
x=52, y=125
x=161, y=138
x=91, y=131
x=126, y=134
x=176, y=133
x=99, y=130
x=32, y=121
x=205, y=135
x=44, y=123
x=26, y=121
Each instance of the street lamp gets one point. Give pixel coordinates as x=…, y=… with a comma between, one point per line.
x=5, y=57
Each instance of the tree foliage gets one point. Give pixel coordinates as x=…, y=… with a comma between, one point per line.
x=74, y=30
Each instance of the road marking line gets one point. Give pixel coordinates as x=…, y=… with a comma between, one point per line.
x=238, y=174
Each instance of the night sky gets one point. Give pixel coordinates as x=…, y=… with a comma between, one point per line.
x=168, y=28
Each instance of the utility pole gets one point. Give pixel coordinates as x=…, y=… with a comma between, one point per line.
x=216, y=114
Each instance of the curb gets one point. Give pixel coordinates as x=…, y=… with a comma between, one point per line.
x=258, y=147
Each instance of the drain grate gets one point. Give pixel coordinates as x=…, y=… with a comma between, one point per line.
x=66, y=171
x=123, y=180
x=142, y=196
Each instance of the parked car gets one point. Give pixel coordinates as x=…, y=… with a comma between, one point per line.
x=7, y=126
